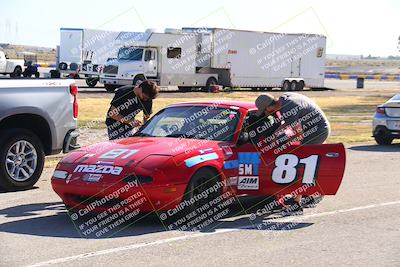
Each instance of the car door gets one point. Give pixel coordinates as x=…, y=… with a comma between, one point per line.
x=298, y=169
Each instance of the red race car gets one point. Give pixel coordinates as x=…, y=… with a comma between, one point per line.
x=191, y=153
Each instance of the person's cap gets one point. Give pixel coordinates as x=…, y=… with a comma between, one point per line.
x=262, y=102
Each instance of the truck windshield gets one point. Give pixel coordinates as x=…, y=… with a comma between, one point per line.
x=130, y=53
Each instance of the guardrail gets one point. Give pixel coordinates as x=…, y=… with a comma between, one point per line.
x=387, y=77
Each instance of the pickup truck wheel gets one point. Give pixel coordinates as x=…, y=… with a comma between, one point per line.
x=91, y=82
x=17, y=72
x=21, y=159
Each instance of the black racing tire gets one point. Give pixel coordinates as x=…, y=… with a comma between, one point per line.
x=210, y=83
x=203, y=179
x=91, y=82
x=286, y=86
x=138, y=80
x=37, y=75
x=293, y=86
x=300, y=86
x=110, y=88
x=382, y=139
x=33, y=146
x=16, y=73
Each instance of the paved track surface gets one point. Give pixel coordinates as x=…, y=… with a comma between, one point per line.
x=358, y=226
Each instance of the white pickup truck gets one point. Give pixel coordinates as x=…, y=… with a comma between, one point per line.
x=14, y=67
x=37, y=118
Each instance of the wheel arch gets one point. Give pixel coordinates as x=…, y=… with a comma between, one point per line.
x=32, y=122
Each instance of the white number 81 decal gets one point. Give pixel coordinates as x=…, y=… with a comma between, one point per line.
x=286, y=165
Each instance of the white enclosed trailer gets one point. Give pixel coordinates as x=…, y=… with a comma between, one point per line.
x=201, y=57
x=84, y=52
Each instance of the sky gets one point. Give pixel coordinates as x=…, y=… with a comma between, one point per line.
x=352, y=27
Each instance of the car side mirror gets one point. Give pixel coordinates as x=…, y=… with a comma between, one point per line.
x=243, y=138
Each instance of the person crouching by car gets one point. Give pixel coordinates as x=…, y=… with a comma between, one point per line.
x=126, y=104
x=306, y=120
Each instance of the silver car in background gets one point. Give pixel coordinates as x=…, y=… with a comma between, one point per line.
x=386, y=122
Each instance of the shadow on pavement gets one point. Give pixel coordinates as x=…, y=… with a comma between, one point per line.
x=60, y=224
x=377, y=148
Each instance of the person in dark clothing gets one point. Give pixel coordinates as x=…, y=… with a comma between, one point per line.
x=308, y=123
x=126, y=104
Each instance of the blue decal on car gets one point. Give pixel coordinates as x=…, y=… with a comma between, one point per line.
x=190, y=162
x=245, y=158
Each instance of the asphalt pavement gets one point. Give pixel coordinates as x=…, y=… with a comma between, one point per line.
x=359, y=226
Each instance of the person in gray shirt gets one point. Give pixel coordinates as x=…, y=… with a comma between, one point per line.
x=301, y=115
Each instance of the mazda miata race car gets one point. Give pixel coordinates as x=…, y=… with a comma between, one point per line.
x=189, y=153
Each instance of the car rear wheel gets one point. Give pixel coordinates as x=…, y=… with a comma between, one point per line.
x=383, y=139
x=21, y=159
x=17, y=72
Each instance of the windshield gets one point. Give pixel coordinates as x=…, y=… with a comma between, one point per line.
x=197, y=122
x=130, y=53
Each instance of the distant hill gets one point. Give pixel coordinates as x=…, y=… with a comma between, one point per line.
x=44, y=54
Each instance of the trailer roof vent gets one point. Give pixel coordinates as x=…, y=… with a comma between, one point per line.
x=172, y=30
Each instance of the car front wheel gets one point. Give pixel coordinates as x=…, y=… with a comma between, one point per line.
x=21, y=159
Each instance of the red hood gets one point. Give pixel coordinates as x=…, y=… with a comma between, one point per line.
x=144, y=146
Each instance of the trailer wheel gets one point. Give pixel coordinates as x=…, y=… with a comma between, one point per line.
x=210, y=83
x=293, y=86
x=300, y=85
x=286, y=85
x=138, y=80
x=91, y=82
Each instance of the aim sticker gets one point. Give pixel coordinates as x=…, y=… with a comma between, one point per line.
x=248, y=183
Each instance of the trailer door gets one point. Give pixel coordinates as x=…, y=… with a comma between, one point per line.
x=296, y=67
x=71, y=45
